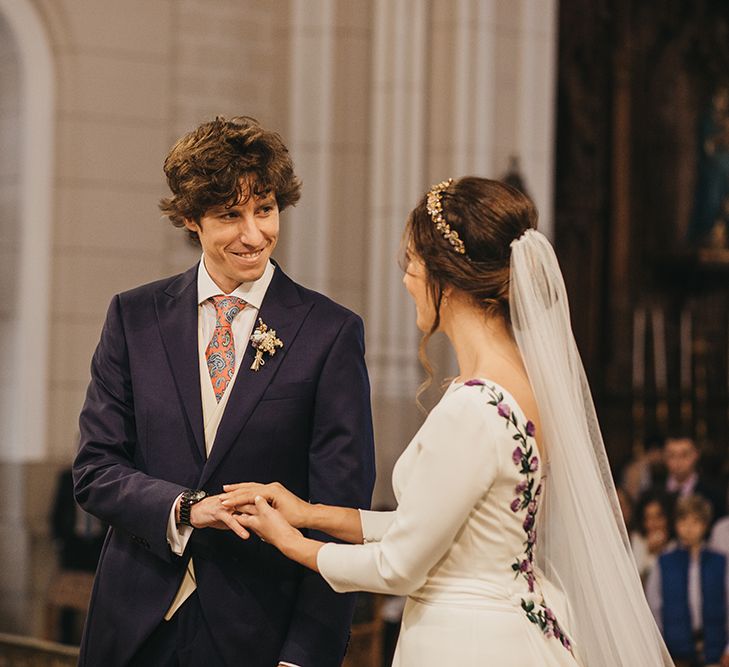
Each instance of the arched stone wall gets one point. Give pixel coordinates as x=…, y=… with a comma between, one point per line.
x=27, y=131
x=26, y=157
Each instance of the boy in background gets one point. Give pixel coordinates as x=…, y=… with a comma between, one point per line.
x=687, y=592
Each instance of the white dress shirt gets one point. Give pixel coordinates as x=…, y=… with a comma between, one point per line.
x=719, y=540
x=242, y=326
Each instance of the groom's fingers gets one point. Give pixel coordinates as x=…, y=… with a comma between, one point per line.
x=230, y=521
x=248, y=521
x=247, y=509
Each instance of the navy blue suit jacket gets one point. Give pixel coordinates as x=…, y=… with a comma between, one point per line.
x=303, y=419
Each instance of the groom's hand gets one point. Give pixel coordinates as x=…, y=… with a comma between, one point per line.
x=210, y=513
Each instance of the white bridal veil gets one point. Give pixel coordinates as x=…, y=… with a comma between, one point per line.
x=582, y=545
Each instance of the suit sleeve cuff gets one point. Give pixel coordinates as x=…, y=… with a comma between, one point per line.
x=177, y=536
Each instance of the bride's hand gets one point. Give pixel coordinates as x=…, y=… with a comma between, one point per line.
x=242, y=497
x=269, y=524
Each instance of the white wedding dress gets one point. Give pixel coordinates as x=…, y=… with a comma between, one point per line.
x=462, y=544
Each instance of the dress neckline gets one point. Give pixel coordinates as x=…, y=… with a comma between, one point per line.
x=513, y=403
x=455, y=384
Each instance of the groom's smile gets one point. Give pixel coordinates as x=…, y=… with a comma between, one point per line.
x=238, y=240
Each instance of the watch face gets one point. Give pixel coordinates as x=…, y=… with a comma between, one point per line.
x=193, y=497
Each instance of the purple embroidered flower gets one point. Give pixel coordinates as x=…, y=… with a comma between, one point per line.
x=504, y=410
x=474, y=383
x=527, y=497
x=516, y=456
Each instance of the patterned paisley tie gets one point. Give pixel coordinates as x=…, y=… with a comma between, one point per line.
x=220, y=353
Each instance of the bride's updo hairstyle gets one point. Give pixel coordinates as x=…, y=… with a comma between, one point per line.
x=462, y=230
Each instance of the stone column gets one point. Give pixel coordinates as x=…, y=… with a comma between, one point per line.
x=27, y=106
x=537, y=38
x=309, y=225
x=471, y=107
x=397, y=175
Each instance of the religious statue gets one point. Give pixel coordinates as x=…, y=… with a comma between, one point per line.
x=514, y=176
x=710, y=223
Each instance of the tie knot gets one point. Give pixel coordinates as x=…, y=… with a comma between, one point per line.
x=226, y=308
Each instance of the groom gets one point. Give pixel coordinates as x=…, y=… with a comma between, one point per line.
x=225, y=373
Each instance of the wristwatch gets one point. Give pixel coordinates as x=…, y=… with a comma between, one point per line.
x=188, y=499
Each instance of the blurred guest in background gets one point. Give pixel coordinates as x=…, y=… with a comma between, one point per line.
x=645, y=470
x=653, y=530
x=719, y=540
x=681, y=456
x=79, y=537
x=626, y=508
x=687, y=591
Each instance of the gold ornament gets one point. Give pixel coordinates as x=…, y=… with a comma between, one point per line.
x=435, y=208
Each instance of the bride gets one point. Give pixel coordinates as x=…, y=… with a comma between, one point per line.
x=507, y=538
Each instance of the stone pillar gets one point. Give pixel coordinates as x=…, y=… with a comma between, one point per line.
x=26, y=157
x=309, y=225
x=10, y=117
x=397, y=176
x=536, y=131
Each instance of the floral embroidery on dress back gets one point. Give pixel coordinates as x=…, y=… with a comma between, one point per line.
x=527, y=493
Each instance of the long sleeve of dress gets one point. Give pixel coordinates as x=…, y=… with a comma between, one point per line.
x=375, y=524
x=457, y=461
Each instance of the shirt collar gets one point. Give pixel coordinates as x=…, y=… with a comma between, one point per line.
x=684, y=488
x=252, y=292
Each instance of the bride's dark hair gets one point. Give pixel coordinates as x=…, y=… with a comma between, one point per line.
x=487, y=216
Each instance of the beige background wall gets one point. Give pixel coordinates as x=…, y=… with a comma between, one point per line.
x=376, y=100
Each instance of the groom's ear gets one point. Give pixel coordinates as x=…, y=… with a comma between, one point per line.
x=192, y=225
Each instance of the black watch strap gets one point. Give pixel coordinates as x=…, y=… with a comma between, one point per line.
x=188, y=499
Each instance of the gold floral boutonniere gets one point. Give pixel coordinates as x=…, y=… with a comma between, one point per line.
x=264, y=341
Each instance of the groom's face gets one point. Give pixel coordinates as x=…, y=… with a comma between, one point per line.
x=238, y=240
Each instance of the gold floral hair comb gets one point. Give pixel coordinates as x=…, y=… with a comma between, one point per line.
x=435, y=209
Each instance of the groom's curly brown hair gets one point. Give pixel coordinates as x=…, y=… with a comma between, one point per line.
x=220, y=162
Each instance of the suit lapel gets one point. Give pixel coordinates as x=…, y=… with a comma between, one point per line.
x=177, y=316
x=282, y=310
